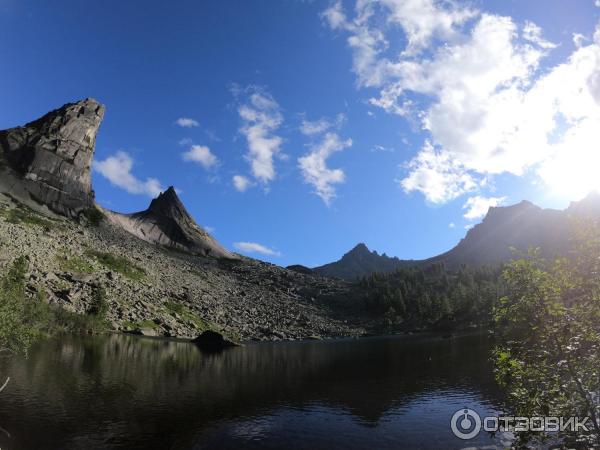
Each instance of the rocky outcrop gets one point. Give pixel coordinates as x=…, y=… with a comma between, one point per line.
x=166, y=222
x=46, y=163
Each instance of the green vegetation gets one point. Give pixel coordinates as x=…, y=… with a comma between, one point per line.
x=548, y=329
x=25, y=319
x=17, y=323
x=130, y=326
x=186, y=314
x=431, y=296
x=94, y=217
x=75, y=264
x=23, y=215
x=118, y=264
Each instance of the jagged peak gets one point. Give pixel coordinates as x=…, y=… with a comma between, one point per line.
x=358, y=249
x=167, y=203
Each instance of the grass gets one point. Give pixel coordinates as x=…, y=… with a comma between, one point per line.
x=118, y=264
x=26, y=216
x=77, y=264
x=185, y=313
x=201, y=324
x=129, y=325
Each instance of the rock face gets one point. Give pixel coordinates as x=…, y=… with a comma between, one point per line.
x=166, y=222
x=47, y=162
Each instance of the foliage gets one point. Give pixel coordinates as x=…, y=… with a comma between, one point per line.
x=94, y=216
x=118, y=264
x=431, y=296
x=17, y=332
x=24, y=319
x=548, y=328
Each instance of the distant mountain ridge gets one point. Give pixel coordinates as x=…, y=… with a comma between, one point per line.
x=518, y=226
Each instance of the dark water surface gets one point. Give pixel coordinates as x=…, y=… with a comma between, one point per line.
x=130, y=392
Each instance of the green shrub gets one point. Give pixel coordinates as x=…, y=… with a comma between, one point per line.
x=94, y=216
x=16, y=331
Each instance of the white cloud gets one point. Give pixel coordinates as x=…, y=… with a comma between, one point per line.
x=117, y=170
x=186, y=122
x=309, y=128
x=241, y=183
x=579, y=39
x=202, y=155
x=314, y=164
x=253, y=247
x=533, y=33
x=476, y=84
x=597, y=3
x=451, y=225
x=261, y=117
x=381, y=148
x=435, y=175
x=478, y=206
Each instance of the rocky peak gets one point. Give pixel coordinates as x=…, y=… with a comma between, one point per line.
x=360, y=250
x=167, y=222
x=47, y=162
x=168, y=204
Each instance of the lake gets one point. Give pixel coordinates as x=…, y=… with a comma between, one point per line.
x=128, y=392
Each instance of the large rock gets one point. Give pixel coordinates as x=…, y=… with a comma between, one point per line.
x=166, y=222
x=213, y=342
x=47, y=162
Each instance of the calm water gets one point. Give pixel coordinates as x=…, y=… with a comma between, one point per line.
x=131, y=392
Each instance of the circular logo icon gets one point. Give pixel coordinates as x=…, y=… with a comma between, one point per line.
x=465, y=424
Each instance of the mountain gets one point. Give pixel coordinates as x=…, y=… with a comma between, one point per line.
x=490, y=242
x=46, y=163
x=166, y=222
x=360, y=261
x=47, y=166
x=87, y=260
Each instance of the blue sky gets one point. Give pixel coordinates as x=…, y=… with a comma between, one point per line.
x=393, y=122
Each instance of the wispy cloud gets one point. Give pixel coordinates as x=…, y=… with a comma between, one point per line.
x=475, y=83
x=117, y=170
x=478, y=206
x=186, y=122
x=202, y=155
x=314, y=164
x=254, y=247
x=241, y=183
x=261, y=117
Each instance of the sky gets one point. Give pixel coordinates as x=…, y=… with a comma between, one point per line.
x=294, y=130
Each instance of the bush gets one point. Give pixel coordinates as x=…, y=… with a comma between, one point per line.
x=16, y=330
x=94, y=217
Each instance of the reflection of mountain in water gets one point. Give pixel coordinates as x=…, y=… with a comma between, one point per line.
x=127, y=392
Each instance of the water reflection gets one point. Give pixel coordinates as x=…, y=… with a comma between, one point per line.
x=130, y=392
